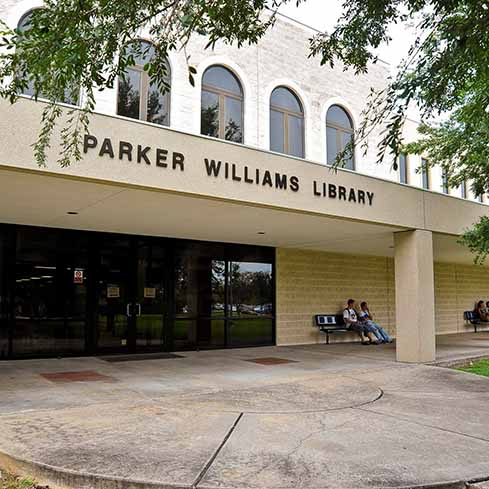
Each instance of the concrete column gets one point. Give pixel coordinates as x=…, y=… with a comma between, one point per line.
x=415, y=296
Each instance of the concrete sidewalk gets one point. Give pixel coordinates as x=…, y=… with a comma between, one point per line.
x=310, y=417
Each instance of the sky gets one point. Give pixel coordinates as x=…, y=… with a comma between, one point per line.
x=323, y=14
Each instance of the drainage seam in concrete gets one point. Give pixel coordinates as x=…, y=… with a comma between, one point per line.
x=207, y=466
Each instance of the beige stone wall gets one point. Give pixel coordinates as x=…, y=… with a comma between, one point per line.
x=457, y=288
x=314, y=282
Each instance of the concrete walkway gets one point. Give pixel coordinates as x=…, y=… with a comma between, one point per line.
x=309, y=417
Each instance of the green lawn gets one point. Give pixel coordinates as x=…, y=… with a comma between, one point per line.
x=9, y=481
x=481, y=367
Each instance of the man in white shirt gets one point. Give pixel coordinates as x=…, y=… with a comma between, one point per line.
x=351, y=320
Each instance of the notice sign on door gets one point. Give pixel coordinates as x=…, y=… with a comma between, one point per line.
x=78, y=277
x=113, y=292
x=149, y=292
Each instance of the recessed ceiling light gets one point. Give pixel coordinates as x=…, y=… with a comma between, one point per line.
x=72, y=213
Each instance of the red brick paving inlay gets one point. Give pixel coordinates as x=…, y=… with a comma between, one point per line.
x=80, y=376
x=270, y=361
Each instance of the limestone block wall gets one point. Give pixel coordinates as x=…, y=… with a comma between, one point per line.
x=314, y=282
x=457, y=288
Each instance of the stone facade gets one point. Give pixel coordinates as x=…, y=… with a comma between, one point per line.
x=313, y=282
x=280, y=58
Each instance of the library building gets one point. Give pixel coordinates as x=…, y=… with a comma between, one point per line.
x=209, y=216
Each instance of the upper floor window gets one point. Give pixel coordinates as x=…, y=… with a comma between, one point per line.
x=425, y=174
x=139, y=97
x=463, y=189
x=221, y=113
x=286, y=123
x=444, y=180
x=70, y=96
x=403, y=168
x=339, y=132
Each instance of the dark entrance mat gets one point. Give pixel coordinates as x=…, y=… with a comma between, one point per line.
x=79, y=376
x=270, y=361
x=138, y=357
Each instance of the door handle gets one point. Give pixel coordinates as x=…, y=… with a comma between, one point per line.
x=139, y=310
x=128, y=310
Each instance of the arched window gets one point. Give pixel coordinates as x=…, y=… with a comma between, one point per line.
x=139, y=97
x=221, y=114
x=286, y=123
x=70, y=97
x=339, y=132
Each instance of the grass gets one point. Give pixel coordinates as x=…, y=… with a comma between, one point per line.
x=10, y=481
x=480, y=367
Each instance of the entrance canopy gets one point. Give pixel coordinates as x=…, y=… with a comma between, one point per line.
x=33, y=198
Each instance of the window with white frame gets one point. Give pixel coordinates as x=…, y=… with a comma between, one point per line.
x=222, y=100
x=339, y=136
x=140, y=97
x=71, y=95
x=286, y=123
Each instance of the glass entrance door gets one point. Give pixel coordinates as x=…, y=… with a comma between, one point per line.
x=114, y=297
x=149, y=307
x=131, y=294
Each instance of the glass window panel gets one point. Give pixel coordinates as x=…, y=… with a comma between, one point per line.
x=250, y=289
x=444, y=183
x=296, y=136
x=277, y=142
x=151, y=293
x=345, y=139
x=141, y=51
x=218, y=288
x=234, y=112
x=283, y=98
x=113, y=294
x=71, y=96
x=201, y=332
x=332, y=144
x=220, y=77
x=463, y=190
x=158, y=106
x=338, y=116
x=210, y=114
x=7, y=254
x=250, y=332
x=403, y=168
x=49, y=304
x=425, y=174
x=129, y=94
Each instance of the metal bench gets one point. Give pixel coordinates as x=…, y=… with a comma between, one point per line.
x=472, y=318
x=330, y=323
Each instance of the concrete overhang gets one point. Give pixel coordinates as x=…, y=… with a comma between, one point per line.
x=180, y=199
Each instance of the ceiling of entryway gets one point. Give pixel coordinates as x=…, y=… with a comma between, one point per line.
x=42, y=200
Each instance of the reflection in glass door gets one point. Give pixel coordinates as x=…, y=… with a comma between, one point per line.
x=131, y=295
x=113, y=295
x=250, y=304
x=149, y=304
x=221, y=302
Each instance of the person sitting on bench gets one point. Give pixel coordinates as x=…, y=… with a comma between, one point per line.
x=351, y=320
x=480, y=311
x=366, y=319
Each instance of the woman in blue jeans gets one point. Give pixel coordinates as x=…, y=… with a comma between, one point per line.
x=366, y=318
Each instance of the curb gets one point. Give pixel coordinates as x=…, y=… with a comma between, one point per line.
x=459, y=362
x=59, y=478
